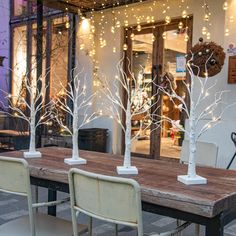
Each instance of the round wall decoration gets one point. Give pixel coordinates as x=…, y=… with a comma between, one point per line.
x=206, y=58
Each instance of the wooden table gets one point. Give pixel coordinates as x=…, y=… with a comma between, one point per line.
x=212, y=205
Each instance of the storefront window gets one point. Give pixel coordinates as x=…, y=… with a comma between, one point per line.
x=59, y=56
x=19, y=69
x=20, y=7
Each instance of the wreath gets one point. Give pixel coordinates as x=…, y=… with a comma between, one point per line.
x=206, y=58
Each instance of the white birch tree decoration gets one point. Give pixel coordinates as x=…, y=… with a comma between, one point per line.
x=20, y=107
x=198, y=92
x=76, y=94
x=122, y=95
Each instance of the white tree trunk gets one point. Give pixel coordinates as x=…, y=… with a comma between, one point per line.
x=32, y=130
x=127, y=157
x=32, y=138
x=75, y=150
x=192, y=135
x=192, y=150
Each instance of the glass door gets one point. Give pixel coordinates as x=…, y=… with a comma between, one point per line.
x=153, y=52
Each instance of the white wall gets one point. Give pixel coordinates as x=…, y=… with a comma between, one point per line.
x=107, y=59
x=4, y=46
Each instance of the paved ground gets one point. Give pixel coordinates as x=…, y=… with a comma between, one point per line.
x=12, y=206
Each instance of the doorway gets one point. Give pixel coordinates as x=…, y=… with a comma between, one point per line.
x=155, y=51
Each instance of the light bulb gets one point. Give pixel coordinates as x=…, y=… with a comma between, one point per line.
x=225, y=6
x=118, y=24
x=208, y=35
x=226, y=32
x=67, y=25
x=180, y=25
x=206, y=17
x=167, y=19
x=148, y=19
x=164, y=35
x=113, y=29
x=132, y=36
x=125, y=47
x=204, y=30
x=186, y=37
x=153, y=38
x=126, y=23
x=114, y=49
x=184, y=14
x=139, y=28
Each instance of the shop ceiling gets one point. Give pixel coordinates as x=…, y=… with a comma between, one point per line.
x=86, y=5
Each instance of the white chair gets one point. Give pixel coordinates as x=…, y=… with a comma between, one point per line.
x=206, y=155
x=113, y=199
x=15, y=179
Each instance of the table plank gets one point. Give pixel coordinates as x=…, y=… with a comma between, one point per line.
x=158, y=179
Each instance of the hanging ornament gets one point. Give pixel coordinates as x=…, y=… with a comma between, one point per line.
x=125, y=47
x=204, y=30
x=164, y=35
x=184, y=14
x=167, y=19
x=203, y=52
x=139, y=28
x=180, y=25
x=225, y=6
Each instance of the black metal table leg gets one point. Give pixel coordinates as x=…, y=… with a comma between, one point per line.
x=215, y=227
x=52, y=196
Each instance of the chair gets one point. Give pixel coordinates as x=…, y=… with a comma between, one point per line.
x=206, y=155
x=202, y=148
x=113, y=199
x=15, y=179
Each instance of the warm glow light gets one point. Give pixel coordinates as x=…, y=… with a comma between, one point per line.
x=85, y=24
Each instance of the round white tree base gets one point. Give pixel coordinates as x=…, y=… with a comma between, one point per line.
x=190, y=181
x=122, y=170
x=73, y=161
x=35, y=154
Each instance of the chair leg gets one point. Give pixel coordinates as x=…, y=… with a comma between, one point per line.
x=197, y=230
x=116, y=229
x=178, y=224
x=36, y=189
x=90, y=226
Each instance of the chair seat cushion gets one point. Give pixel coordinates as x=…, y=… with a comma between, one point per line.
x=45, y=226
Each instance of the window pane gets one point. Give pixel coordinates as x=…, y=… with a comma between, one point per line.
x=34, y=55
x=59, y=56
x=20, y=7
x=19, y=62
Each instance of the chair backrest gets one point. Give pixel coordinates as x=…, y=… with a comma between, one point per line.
x=108, y=198
x=206, y=153
x=15, y=178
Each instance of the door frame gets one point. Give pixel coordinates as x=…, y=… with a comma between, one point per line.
x=157, y=28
